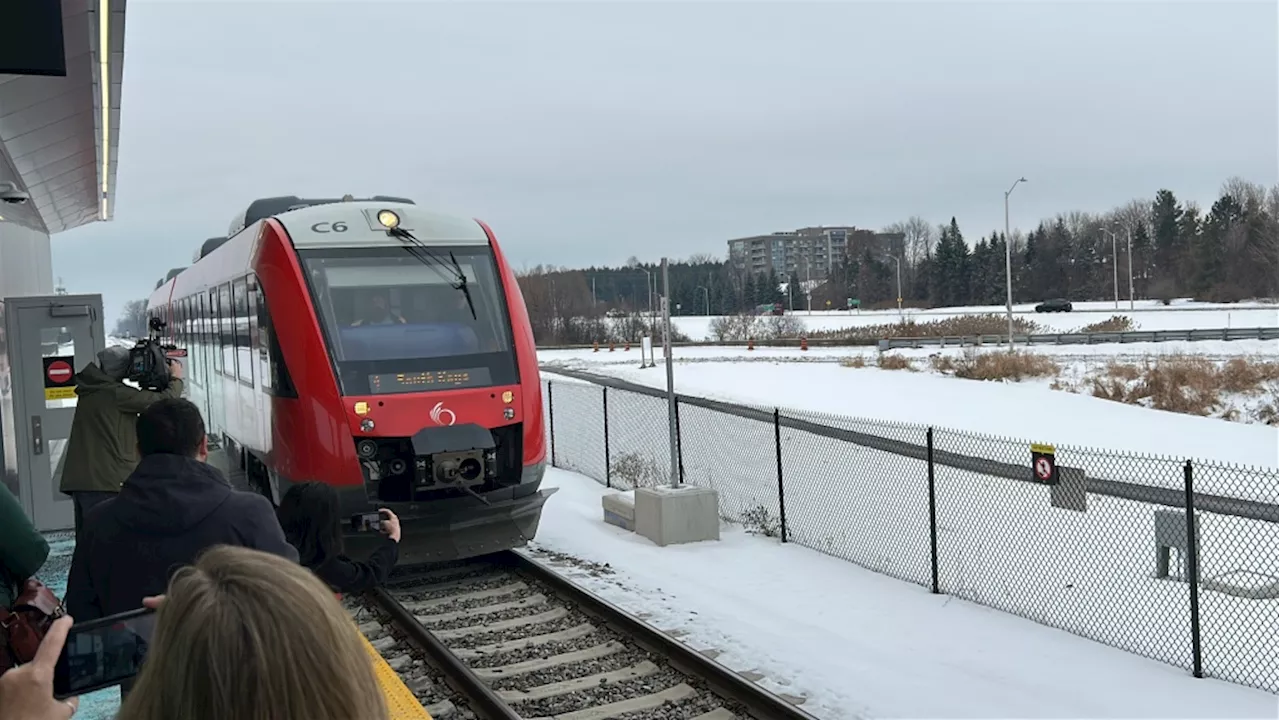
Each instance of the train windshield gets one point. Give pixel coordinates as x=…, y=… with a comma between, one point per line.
x=399, y=323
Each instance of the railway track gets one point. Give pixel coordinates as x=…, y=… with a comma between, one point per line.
x=502, y=637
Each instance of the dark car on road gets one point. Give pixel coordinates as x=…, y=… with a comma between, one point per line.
x=1058, y=305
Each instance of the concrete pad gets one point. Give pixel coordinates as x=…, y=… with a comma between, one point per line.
x=620, y=510
x=673, y=516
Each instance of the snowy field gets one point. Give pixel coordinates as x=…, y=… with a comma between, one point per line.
x=1147, y=315
x=1000, y=541
x=1028, y=410
x=861, y=645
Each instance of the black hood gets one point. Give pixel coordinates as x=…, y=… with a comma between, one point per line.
x=170, y=494
x=93, y=379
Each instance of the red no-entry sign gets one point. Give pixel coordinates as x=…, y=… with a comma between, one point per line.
x=59, y=371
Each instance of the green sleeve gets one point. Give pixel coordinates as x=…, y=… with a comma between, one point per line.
x=131, y=400
x=22, y=549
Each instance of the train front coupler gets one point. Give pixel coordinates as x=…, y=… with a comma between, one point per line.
x=453, y=456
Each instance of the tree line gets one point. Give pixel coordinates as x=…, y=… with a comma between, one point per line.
x=1227, y=254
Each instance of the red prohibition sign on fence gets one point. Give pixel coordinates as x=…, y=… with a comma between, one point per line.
x=59, y=371
x=1044, y=468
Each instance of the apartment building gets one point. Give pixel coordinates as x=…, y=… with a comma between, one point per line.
x=809, y=251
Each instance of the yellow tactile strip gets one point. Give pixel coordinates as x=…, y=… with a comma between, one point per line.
x=401, y=704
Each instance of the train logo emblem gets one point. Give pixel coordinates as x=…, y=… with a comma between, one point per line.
x=442, y=415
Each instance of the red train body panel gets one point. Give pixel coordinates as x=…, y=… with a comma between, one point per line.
x=324, y=345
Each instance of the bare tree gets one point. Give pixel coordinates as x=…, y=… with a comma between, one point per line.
x=133, y=319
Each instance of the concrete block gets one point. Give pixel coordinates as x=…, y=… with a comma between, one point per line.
x=673, y=516
x=620, y=510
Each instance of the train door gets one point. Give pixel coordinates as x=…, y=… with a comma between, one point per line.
x=49, y=339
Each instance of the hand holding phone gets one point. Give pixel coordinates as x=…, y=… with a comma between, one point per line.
x=102, y=653
x=27, y=691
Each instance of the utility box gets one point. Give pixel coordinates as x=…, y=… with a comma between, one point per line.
x=674, y=516
x=620, y=510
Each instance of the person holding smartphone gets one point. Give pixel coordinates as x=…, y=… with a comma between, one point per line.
x=310, y=515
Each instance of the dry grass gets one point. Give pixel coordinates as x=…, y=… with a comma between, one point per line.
x=959, y=326
x=1015, y=366
x=890, y=361
x=1190, y=385
x=857, y=361
x=1115, y=323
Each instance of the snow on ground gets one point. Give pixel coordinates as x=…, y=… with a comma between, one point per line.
x=1028, y=410
x=1147, y=315
x=859, y=644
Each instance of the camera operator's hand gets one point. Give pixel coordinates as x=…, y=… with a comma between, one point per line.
x=26, y=691
x=175, y=369
x=390, y=524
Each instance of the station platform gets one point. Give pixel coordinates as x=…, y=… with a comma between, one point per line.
x=104, y=704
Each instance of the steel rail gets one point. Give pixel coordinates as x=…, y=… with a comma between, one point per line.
x=724, y=682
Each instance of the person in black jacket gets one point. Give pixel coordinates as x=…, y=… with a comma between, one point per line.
x=310, y=515
x=171, y=508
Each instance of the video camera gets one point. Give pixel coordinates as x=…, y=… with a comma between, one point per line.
x=149, y=359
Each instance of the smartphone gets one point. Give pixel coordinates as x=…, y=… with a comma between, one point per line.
x=366, y=522
x=102, y=653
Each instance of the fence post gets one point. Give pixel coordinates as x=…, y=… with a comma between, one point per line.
x=782, y=497
x=933, y=511
x=679, y=442
x=608, y=463
x=551, y=420
x=1193, y=572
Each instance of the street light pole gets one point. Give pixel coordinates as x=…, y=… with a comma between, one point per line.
x=898, y=262
x=1115, y=269
x=671, y=384
x=708, y=293
x=1008, y=261
x=1129, y=238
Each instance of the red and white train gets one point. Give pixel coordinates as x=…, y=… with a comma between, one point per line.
x=375, y=346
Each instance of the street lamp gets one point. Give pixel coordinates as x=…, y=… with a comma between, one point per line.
x=897, y=261
x=708, y=294
x=1008, y=260
x=1115, y=267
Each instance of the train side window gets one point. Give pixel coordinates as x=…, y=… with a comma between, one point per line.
x=226, y=331
x=215, y=354
x=244, y=354
x=275, y=374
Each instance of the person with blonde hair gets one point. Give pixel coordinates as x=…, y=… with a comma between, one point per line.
x=247, y=635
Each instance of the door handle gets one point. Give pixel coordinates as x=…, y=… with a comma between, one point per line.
x=37, y=435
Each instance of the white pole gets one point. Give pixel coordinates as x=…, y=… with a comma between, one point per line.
x=1115, y=270
x=1008, y=261
x=671, y=385
x=1129, y=235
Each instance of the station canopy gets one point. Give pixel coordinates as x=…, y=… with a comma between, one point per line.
x=56, y=142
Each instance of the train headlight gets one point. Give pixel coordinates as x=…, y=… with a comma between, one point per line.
x=366, y=424
x=388, y=219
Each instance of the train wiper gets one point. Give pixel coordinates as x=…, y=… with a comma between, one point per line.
x=462, y=285
x=424, y=255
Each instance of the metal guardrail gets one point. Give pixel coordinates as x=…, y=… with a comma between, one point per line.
x=1096, y=338
x=1099, y=338
x=1168, y=497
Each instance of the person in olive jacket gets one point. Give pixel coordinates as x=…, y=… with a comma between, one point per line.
x=22, y=549
x=103, y=447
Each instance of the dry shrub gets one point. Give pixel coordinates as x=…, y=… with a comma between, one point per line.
x=889, y=361
x=1179, y=383
x=958, y=326
x=1110, y=388
x=1115, y=323
x=1014, y=366
x=1243, y=375
x=943, y=363
x=857, y=361
x=1122, y=371
x=740, y=328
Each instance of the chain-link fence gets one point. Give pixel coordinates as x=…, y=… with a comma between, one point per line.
x=1094, y=542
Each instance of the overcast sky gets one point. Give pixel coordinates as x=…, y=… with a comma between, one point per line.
x=587, y=132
